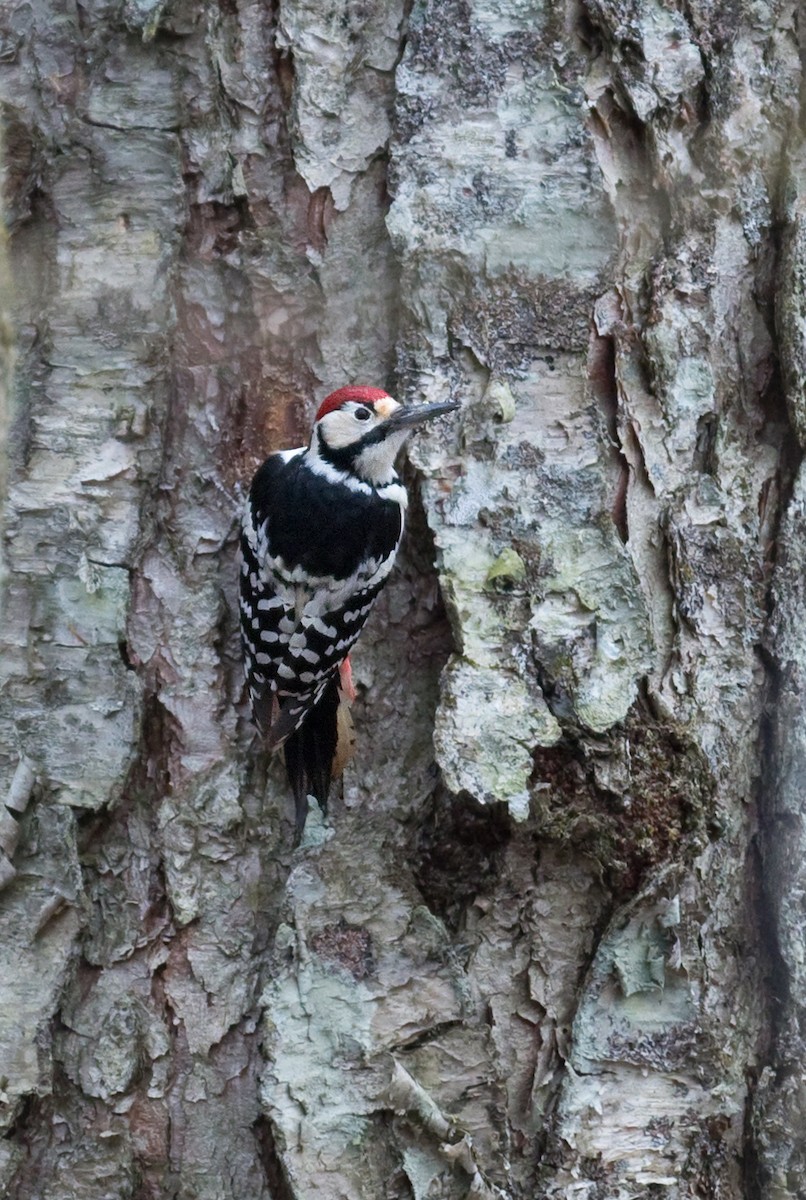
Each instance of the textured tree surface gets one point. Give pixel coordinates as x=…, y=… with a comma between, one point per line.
x=548, y=942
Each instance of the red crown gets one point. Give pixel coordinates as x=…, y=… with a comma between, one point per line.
x=364, y=395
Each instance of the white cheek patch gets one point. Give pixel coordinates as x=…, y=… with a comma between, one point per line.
x=377, y=462
x=340, y=428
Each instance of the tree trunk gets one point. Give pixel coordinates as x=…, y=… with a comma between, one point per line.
x=568, y=959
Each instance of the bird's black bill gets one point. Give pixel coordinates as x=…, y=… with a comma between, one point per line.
x=415, y=416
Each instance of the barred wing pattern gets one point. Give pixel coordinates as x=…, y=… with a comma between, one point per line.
x=291, y=661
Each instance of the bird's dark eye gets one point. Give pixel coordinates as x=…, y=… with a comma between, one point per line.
x=362, y=414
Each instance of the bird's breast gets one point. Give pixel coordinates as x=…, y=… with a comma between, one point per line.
x=318, y=529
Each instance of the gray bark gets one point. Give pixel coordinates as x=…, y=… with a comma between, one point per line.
x=548, y=942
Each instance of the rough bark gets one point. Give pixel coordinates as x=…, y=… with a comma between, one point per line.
x=549, y=940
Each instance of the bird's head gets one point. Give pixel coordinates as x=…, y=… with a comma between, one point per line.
x=361, y=429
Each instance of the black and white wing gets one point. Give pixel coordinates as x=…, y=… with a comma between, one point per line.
x=267, y=624
x=314, y=560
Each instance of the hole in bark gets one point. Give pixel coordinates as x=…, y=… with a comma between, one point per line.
x=214, y=229
x=705, y=449
x=602, y=377
x=123, y=651
x=320, y=215
x=23, y=194
x=457, y=853
x=589, y=34
x=285, y=76
x=25, y=1112
x=270, y=1159
x=755, y=1176
x=632, y=801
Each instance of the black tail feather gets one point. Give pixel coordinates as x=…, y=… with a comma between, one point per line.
x=295, y=770
x=309, y=753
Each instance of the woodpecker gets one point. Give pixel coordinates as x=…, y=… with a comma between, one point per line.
x=321, y=530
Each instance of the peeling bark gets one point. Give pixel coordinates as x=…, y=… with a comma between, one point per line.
x=549, y=940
